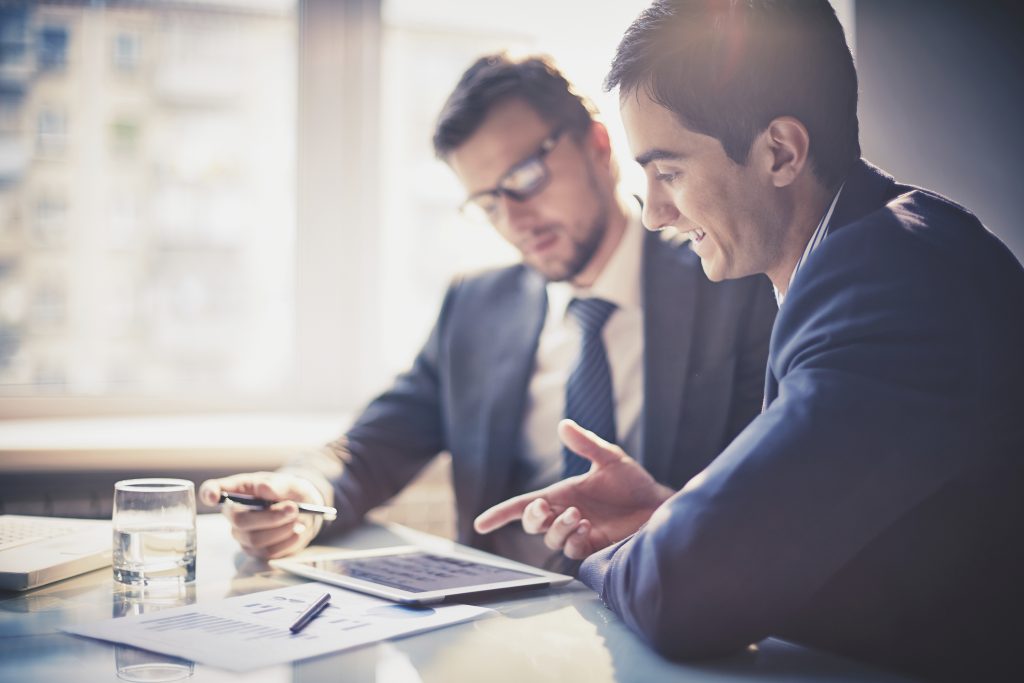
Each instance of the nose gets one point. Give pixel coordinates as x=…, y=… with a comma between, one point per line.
x=659, y=211
x=515, y=215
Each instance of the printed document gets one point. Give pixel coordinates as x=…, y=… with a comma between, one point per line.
x=248, y=632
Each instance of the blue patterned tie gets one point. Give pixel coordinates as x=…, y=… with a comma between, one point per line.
x=588, y=393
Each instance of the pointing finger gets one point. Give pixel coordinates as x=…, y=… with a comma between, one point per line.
x=502, y=513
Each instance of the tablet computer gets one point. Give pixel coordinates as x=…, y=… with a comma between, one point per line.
x=412, y=575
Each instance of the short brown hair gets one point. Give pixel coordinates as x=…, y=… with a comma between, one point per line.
x=495, y=78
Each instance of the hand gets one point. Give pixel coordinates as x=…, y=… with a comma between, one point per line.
x=582, y=514
x=277, y=530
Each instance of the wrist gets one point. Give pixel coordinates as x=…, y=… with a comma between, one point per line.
x=661, y=494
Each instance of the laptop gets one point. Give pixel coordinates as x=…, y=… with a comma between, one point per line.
x=38, y=550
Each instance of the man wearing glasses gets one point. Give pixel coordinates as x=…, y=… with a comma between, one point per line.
x=603, y=322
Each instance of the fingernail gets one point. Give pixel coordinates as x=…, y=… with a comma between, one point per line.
x=299, y=528
x=582, y=531
x=571, y=517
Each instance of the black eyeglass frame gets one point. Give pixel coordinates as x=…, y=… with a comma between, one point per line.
x=518, y=194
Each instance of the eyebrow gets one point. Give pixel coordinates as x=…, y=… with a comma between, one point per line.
x=657, y=155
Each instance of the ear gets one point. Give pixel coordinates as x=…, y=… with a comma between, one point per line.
x=599, y=143
x=785, y=145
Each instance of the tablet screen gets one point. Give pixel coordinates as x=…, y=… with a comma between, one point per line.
x=419, y=572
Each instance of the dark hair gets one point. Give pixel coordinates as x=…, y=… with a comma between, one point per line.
x=726, y=68
x=493, y=79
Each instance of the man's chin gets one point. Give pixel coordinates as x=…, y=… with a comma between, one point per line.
x=714, y=273
x=553, y=270
x=553, y=274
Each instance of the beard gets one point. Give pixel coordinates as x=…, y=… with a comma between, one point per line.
x=583, y=250
x=584, y=246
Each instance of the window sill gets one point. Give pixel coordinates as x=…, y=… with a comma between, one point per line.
x=152, y=444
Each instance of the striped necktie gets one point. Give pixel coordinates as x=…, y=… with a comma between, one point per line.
x=589, y=400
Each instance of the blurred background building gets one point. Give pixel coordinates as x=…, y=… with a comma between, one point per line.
x=147, y=205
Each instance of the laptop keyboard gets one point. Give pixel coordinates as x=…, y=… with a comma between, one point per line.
x=19, y=531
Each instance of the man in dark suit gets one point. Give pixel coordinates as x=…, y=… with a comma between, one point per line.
x=679, y=358
x=876, y=507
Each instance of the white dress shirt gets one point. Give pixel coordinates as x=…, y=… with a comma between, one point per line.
x=559, y=348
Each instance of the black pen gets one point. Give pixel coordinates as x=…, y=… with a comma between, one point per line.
x=311, y=612
x=328, y=512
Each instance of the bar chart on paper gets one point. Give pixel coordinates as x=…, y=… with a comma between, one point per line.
x=235, y=633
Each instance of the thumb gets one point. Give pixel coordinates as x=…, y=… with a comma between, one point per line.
x=587, y=444
x=209, y=491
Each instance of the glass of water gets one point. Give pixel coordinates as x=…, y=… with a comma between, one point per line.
x=154, y=531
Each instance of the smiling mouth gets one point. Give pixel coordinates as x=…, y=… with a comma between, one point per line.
x=696, y=235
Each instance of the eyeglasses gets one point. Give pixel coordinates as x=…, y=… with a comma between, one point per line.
x=524, y=180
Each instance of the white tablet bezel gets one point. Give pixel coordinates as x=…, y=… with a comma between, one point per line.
x=301, y=566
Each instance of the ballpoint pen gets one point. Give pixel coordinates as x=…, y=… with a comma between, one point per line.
x=328, y=512
x=311, y=611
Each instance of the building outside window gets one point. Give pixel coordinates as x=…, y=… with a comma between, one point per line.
x=51, y=48
x=126, y=51
x=146, y=245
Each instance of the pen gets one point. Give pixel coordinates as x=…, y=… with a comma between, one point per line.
x=311, y=612
x=328, y=512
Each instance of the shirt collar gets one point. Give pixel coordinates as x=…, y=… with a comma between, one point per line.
x=619, y=281
x=817, y=237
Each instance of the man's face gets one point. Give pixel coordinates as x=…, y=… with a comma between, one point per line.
x=558, y=229
x=692, y=185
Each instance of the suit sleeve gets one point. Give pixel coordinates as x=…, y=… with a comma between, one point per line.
x=873, y=416
x=390, y=442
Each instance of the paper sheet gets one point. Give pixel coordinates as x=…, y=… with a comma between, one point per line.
x=251, y=631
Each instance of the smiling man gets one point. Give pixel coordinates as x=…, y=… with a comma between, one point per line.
x=602, y=322
x=875, y=507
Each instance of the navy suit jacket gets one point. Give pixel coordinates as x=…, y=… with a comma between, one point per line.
x=705, y=348
x=876, y=507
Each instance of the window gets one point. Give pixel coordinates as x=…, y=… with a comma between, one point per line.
x=51, y=48
x=13, y=42
x=126, y=51
x=150, y=255
x=124, y=138
x=51, y=132
x=50, y=224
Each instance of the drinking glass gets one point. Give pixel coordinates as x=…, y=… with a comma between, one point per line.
x=154, y=531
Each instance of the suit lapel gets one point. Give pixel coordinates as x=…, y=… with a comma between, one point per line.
x=513, y=348
x=670, y=299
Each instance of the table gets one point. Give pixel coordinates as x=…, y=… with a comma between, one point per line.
x=562, y=634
